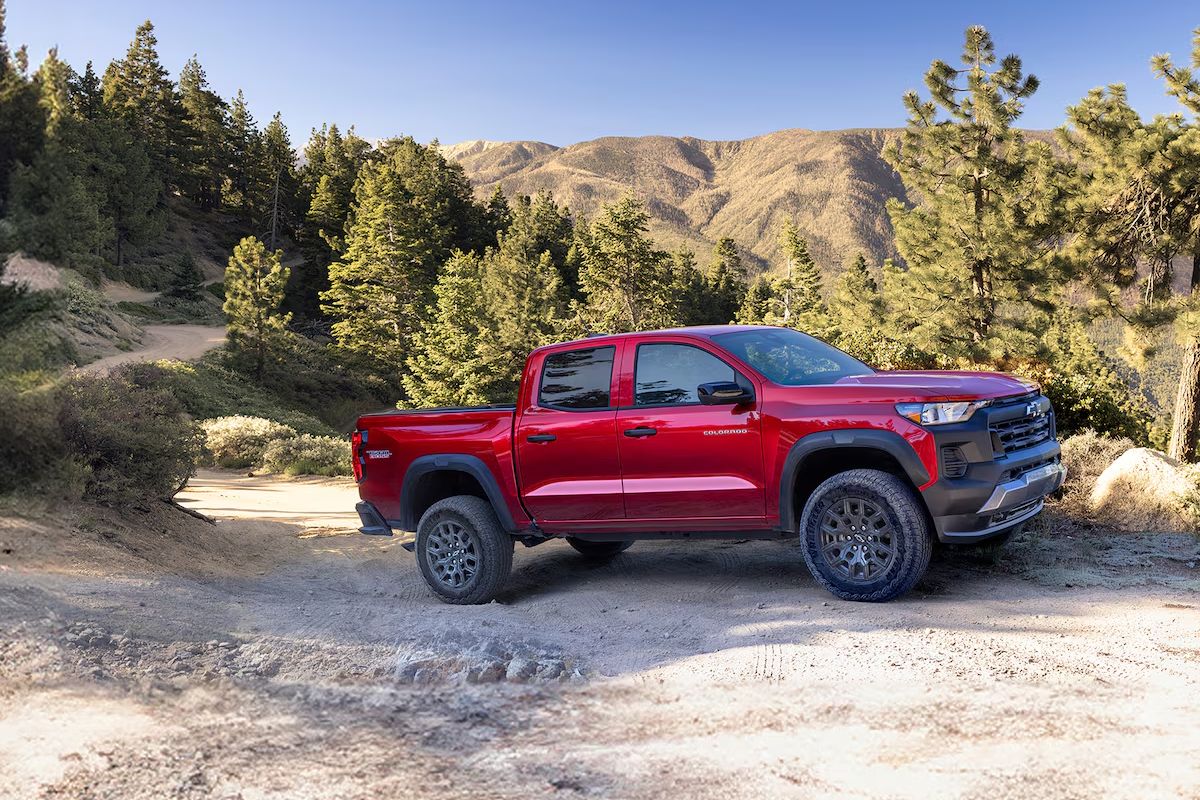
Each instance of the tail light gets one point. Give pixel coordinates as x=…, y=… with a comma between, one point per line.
x=357, y=440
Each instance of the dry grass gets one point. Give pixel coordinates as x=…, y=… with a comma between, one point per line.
x=1086, y=455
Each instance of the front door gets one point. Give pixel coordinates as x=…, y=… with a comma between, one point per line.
x=681, y=460
x=566, y=442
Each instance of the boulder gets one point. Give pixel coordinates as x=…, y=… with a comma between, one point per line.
x=1145, y=490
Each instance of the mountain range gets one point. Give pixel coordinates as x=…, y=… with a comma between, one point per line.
x=835, y=184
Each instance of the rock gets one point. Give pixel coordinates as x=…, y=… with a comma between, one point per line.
x=520, y=669
x=549, y=669
x=489, y=672
x=1145, y=490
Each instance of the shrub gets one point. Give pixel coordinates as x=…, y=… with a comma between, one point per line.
x=308, y=455
x=238, y=442
x=1086, y=455
x=130, y=435
x=883, y=353
x=34, y=458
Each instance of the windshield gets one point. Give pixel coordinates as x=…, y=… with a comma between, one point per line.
x=791, y=358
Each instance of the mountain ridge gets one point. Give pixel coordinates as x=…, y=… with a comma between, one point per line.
x=834, y=183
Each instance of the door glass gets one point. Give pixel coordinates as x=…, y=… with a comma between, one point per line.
x=668, y=374
x=577, y=379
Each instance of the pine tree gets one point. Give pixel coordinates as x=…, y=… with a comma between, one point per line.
x=624, y=277
x=689, y=293
x=978, y=239
x=138, y=90
x=857, y=304
x=726, y=282
x=254, y=286
x=22, y=119
x=446, y=365
x=205, y=145
x=523, y=289
x=498, y=214
x=799, y=291
x=248, y=179
x=411, y=210
x=279, y=159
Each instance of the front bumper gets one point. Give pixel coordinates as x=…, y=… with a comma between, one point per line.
x=985, y=489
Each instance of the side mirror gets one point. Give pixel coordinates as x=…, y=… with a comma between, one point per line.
x=723, y=393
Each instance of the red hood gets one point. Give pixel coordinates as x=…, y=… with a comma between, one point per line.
x=947, y=385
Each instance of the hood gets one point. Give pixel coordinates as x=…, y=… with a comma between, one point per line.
x=947, y=385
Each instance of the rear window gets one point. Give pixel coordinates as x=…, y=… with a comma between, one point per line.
x=577, y=380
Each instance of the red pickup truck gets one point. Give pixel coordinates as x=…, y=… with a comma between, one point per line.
x=716, y=431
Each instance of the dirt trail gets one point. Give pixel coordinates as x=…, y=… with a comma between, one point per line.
x=324, y=503
x=153, y=655
x=182, y=342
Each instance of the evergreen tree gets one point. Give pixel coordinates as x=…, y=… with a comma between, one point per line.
x=799, y=292
x=857, y=303
x=254, y=285
x=411, y=210
x=498, y=214
x=726, y=282
x=523, y=287
x=977, y=241
x=332, y=163
x=248, y=179
x=138, y=91
x=1183, y=84
x=690, y=297
x=446, y=365
x=624, y=277
x=22, y=118
x=205, y=144
x=279, y=160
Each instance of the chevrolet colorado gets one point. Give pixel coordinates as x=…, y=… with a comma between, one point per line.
x=718, y=431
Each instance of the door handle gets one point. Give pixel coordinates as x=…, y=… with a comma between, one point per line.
x=640, y=431
x=541, y=437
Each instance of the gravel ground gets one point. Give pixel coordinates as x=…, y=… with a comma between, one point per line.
x=150, y=655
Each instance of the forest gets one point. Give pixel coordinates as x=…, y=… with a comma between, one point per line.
x=362, y=274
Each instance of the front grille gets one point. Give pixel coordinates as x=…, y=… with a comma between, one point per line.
x=1024, y=431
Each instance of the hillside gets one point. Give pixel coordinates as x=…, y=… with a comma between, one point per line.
x=835, y=183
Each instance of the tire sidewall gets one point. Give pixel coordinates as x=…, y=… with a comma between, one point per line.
x=910, y=535
x=428, y=523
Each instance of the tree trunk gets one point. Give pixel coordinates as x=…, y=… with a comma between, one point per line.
x=1187, y=398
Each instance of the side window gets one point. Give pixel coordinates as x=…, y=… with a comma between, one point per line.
x=668, y=374
x=577, y=379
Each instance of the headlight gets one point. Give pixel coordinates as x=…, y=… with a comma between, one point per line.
x=940, y=413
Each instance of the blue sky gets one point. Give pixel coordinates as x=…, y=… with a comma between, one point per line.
x=566, y=71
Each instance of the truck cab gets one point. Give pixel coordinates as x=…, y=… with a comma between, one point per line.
x=715, y=431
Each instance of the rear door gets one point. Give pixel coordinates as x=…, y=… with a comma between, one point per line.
x=566, y=439
x=682, y=460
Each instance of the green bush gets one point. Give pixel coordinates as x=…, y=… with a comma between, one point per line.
x=34, y=458
x=308, y=455
x=130, y=435
x=208, y=389
x=878, y=351
x=239, y=442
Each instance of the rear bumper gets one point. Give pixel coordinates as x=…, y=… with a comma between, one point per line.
x=373, y=523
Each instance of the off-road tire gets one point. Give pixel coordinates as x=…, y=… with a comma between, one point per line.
x=901, y=510
x=488, y=543
x=598, y=551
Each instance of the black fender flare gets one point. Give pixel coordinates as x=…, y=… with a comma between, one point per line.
x=889, y=442
x=451, y=462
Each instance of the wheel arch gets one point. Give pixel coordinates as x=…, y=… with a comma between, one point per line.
x=435, y=477
x=818, y=456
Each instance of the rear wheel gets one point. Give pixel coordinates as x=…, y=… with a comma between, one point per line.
x=865, y=536
x=462, y=552
x=598, y=551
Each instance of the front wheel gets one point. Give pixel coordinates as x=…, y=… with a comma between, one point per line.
x=598, y=551
x=462, y=552
x=865, y=536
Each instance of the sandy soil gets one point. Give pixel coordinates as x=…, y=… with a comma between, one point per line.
x=148, y=654
x=183, y=342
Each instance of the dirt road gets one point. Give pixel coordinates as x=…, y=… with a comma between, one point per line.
x=183, y=342
x=157, y=656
